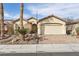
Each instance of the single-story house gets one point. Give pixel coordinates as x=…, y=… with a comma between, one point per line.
x=51, y=25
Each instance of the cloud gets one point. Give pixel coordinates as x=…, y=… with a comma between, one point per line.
x=7, y=15
x=25, y=16
x=63, y=10
x=40, y=9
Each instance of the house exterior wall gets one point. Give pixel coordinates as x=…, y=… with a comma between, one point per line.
x=33, y=21
x=52, y=20
x=25, y=24
x=8, y=27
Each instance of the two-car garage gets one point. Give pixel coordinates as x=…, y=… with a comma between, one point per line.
x=52, y=25
x=52, y=29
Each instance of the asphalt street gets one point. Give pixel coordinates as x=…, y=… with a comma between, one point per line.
x=43, y=54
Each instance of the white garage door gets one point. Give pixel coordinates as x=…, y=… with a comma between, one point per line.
x=53, y=29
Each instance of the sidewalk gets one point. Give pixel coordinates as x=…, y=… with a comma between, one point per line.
x=39, y=48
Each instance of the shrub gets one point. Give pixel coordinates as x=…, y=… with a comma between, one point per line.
x=22, y=31
x=77, y=29
x=68, y=32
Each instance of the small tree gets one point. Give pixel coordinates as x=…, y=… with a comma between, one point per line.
x=23, y=32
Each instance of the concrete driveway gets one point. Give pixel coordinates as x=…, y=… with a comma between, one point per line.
x=59, y=39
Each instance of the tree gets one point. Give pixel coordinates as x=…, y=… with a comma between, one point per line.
x=21, y=22
x=69, y=19
x=21, y=16
x=2, y=20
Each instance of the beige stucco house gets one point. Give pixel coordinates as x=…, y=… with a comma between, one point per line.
x=51, y=25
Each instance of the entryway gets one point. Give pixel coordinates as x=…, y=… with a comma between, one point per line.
x=34, y=28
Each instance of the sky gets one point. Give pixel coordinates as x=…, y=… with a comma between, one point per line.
x=41, y=10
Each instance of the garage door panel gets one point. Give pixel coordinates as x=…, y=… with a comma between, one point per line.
x=53, y=29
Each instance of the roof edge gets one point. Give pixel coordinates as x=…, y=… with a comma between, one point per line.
x=51, y=16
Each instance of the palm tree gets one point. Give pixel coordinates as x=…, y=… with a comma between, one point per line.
x=21, y=16
x=2, y=19
x=22, y=30
x=21, y=21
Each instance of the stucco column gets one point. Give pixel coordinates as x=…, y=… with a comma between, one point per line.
x=38, y=30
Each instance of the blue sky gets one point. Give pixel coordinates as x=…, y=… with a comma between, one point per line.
x=63, y=10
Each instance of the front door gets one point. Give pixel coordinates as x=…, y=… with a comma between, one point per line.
x=34, y=28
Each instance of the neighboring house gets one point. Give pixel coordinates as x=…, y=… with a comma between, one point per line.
x=8, y=28
x=71, y=27
x=51, y=25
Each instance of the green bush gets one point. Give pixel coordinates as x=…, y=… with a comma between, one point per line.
x=22, y=31
x=77, y=29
